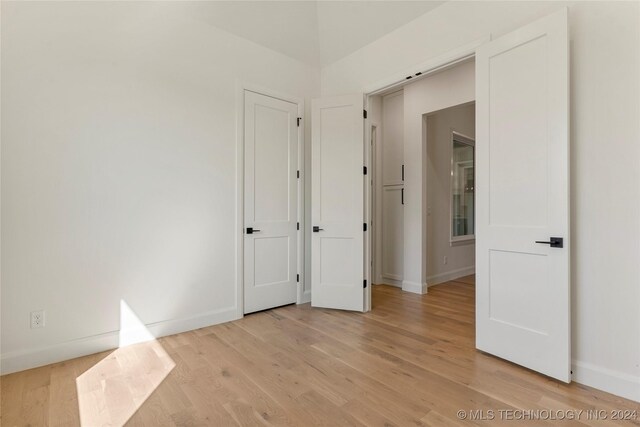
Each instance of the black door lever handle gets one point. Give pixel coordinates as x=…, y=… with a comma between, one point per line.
x=317, y=228
x=251, y=230
x=554, y=242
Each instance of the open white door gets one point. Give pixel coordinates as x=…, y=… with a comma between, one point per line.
x=337, y=244
x=522, y=146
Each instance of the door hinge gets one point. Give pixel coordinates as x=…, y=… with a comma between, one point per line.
x=298, y=121
x=364, y=227
x=297, y=278
x=364, y=113
x=297, y=226
x=403, y=173
x=297, y=174
x=364, y=170
x=364, y=284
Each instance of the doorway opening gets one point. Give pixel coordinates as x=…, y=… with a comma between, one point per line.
x=435, y=118
x=522, y=212
x=450, y=195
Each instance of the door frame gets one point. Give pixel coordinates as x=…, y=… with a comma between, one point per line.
x=241, y=87
x=376, y=198
x=395, y=82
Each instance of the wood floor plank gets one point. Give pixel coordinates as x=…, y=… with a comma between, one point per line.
x=411, y=361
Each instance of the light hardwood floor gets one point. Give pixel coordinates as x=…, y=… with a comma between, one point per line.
x=409, y=362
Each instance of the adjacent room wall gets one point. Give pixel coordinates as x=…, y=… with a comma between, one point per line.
x=119, y=170
x=605, y=201
x=442, y=90
x=460, y=255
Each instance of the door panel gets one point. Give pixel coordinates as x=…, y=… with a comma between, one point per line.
x=392, y=138
x=392, y=233
x=270, y=206
x=522, y=147
x=518, y=194
x=271, y=164
x=337, y=203
x=269, y=269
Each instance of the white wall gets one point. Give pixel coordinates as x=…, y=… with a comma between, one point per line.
x=460, y=255
x=605, y=106
x=118, y=165
x=119, y=169
x=454, y=86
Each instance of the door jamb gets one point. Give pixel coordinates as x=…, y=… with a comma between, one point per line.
x=375, y=197
x=241, y=87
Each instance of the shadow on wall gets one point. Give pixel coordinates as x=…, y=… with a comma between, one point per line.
x=112, y=390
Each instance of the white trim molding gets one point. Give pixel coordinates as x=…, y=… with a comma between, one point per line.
x=33, y=358
x=304, y=297
x=614, y=382
x=447, y=276
x=414, y=287
x=390, y=280
x=427, y=67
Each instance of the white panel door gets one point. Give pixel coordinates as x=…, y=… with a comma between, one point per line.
x=393, y=232
x=337, y=203
x=522, y=147
x=270, y=202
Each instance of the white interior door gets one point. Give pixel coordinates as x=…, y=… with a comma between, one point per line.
x=337, y=203
x=270, y=202
x=393, y=233
x=522, y=147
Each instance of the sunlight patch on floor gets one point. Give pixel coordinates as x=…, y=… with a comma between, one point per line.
x=111, y=391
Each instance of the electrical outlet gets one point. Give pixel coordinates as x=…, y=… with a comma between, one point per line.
x=445, y=260
x=37, y=319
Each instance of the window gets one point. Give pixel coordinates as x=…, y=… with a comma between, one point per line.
x=462, y=188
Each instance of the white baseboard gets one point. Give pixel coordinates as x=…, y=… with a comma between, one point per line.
x=27, y=359
x=618, y=383
x=305, y=297
x=390, y=281
x=614, y=382
x=414, y=287
x=447, y=276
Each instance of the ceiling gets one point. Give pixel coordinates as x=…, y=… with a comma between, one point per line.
x=315, y=32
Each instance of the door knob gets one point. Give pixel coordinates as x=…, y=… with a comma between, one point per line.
x=554, y=242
